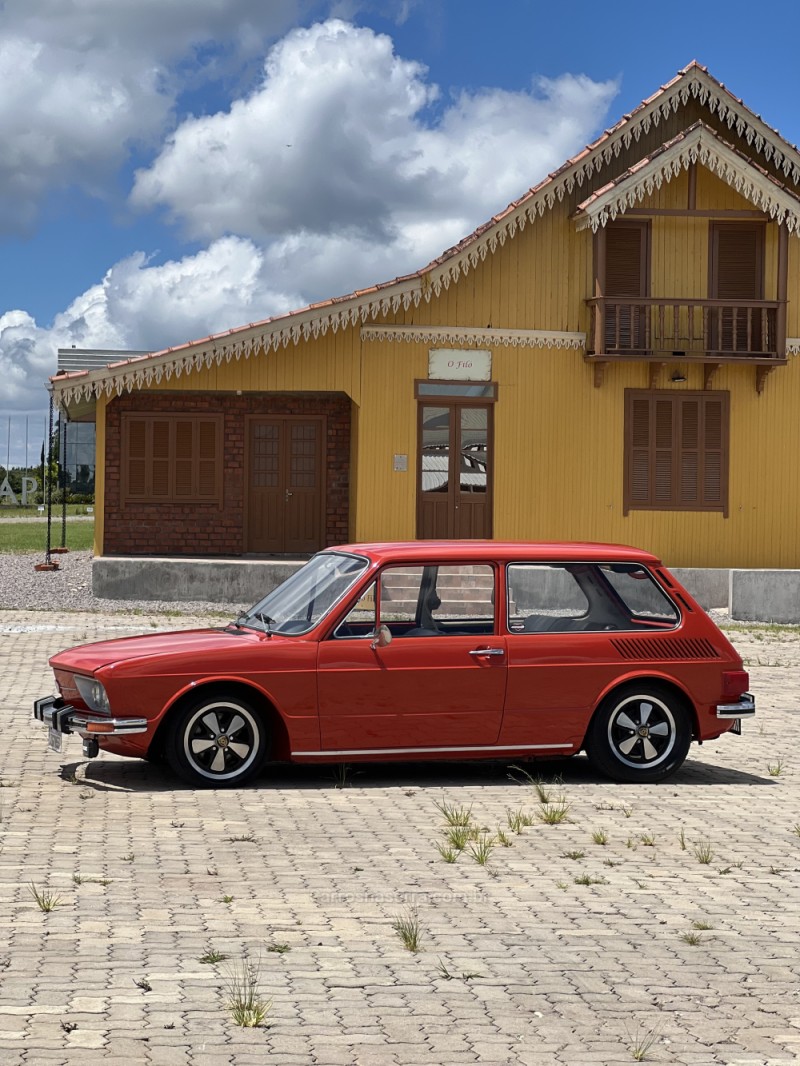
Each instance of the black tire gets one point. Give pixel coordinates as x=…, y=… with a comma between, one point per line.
x=217, y=741
x=641, y=732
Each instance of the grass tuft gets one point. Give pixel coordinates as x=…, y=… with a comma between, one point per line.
x=244, y=998
x=703, y=852
x=481, y=849
x=407, y=927
x=454, y=814
x=211, y=956
x=45, y=899
x=553, y=813
x=641, y=1042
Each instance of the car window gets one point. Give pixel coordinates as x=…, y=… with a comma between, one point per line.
x=360, y=620
x=426, y=601
x=544, y=598
x=639, y=592
x=585, y=597
x=308, y=595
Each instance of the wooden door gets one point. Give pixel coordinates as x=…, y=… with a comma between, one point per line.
x=285, y=485
x=626, y=276
x=737, y=273
x=454, y=475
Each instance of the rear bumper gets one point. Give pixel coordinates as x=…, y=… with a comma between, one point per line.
x=744, y=707
x=51, y=711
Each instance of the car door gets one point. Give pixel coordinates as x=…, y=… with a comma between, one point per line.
x=438, y=686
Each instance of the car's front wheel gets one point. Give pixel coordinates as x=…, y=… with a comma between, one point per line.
x=216, y=741
x=639, y=733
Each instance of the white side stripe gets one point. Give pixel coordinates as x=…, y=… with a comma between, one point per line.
x=412, y=751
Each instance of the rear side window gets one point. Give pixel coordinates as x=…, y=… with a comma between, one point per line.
x=639, y=593
x=585, y=597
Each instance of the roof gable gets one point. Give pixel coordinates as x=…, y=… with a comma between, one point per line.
x=698, y=144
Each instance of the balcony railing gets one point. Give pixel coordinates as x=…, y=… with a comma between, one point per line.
x=706, y=329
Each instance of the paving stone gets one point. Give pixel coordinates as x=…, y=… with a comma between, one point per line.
x=563, y=968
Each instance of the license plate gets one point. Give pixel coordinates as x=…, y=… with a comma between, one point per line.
x=55, y=739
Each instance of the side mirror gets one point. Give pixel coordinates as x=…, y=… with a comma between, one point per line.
x=382, y=637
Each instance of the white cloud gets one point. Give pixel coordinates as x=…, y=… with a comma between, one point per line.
x=338, y=141
x=136, y=306
x=82, y=81
x=381, y=174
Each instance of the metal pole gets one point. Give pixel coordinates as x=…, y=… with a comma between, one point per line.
x=62, y=470
x=49, y=480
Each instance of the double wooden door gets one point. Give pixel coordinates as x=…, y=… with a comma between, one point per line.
x=454, y=487
x=285, y=485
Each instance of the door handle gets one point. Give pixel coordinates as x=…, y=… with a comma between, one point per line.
x=480, y=652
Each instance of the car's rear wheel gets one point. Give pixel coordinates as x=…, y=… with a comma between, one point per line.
x=640, y=733
x=216, y=741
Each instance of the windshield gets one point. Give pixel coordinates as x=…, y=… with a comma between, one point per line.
x=308, y=595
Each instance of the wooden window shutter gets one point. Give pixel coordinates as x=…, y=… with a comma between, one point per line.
x=639, y=450
x=737, y=273
x=676, y=447
x=184, y=458
x=208, y=458
x=172, y=458
x=626, y=275
x=715, y=452
x=626, y=262
x=135, y=445
x=662, y=453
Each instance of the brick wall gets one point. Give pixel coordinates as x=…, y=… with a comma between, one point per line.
x=206, y=529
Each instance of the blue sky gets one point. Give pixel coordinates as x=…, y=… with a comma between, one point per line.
x=173, y=168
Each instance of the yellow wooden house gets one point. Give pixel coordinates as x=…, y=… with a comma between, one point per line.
x=613, y=357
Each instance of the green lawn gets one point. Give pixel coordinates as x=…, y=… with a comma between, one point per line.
x=32, y=536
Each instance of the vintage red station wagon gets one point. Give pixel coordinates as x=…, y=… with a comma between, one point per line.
x=424, y=650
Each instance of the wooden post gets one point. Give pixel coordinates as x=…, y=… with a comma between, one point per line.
x=599, y=290
x=783, y=272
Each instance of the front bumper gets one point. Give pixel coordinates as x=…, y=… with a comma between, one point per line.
x=63, y=718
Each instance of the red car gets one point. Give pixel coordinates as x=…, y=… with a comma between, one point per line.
x=424, y=650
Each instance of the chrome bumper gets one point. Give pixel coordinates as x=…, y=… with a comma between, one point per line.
x=63, y=718
x=745, y=707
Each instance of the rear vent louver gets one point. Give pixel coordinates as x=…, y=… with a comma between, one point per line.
x=667, y=649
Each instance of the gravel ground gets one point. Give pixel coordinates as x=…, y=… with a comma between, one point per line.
x=70, y=589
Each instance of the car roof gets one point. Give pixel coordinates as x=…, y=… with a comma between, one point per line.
x=498, y=551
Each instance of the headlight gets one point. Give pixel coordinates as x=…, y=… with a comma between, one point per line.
x=93, y=694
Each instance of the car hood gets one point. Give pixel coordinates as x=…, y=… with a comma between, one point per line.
x=196, y=645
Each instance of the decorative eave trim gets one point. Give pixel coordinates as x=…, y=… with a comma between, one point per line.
x=793, y=345
x=692, y=83
x=311, y=322
x=467, y=335
x=699, y=145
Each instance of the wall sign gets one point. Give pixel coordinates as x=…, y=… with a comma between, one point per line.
x=400, y=463
x=454, y=364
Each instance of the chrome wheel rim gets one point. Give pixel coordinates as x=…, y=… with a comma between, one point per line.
x=221, y=740
x=642, y=731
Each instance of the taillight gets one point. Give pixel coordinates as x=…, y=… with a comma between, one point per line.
x=734, y=683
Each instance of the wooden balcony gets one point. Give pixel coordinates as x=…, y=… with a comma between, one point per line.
x=712, y=332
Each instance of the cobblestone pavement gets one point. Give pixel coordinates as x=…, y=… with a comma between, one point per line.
x=580, y=943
